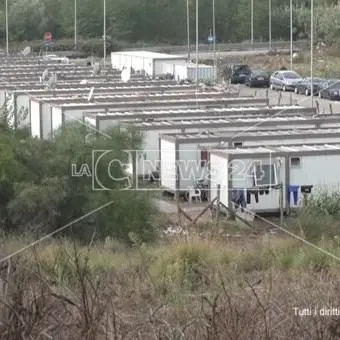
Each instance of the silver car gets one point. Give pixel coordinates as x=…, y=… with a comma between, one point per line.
x=284, y=80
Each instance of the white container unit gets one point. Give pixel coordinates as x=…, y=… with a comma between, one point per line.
x=188, y=71
x=74, y=111
x=192, y=150
x=149, y=155
x=144, y=61
x=211, y=117
x=301, y=169
x=43, y=109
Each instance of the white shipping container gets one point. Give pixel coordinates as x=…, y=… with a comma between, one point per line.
x=192, y=147
x=301, y=169
x=56, y=120
x=35, y=118
x=188, y=71
x=149, y=62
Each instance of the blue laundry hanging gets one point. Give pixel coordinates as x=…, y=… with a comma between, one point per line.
x=238, y=197
x=295, y=190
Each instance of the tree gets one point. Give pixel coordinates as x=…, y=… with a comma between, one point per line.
x=155, y=21
x=41, y=194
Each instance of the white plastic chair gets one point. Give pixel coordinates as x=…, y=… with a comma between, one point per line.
x=194, y=193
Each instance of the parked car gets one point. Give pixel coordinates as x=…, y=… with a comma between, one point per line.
x=237, y=73
x=330, y=89
x=257, y=78
x=305, y=86
x=284, y=80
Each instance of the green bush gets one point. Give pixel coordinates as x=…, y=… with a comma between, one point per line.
x=320, y=216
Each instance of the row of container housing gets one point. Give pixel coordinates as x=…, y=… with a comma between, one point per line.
x=157, y=64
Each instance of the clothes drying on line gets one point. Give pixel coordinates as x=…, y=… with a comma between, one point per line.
x=264, y=190
x=306, y=189
x=252, y=192
x=293, y=190
x=238, y=197
x=260, y=191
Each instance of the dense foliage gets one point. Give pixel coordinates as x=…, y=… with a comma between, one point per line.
x=40, y=194
x=165, y=21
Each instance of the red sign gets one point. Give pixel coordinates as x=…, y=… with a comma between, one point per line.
x=47, y=36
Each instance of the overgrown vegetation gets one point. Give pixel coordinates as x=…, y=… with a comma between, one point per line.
x=41, y=192
x=132, y=21
x=197, y=288
x=109, y=275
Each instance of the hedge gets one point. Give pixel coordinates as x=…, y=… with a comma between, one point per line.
x=90, y=47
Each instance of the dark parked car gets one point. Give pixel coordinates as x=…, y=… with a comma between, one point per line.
x=257, y=78
x=305, y=86
x=330, y=89
x=284, y=80
x=237, y=73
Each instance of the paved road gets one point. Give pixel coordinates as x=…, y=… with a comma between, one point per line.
x=225, y=54
x=326, y=106
x=221, y=54
x=225, y=47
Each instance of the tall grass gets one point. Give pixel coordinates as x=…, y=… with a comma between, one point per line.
x=196, y=288
x=193, y=287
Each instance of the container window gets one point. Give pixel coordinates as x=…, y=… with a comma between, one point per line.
x=238, y=144
x=265, y=174
x=204, y=157
x=295, y=161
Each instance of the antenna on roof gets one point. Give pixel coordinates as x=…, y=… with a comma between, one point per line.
x=96, y=69
x=126, y=74
x=90, y=97
x=44, y=75
x=52, y=82
x=26, y=51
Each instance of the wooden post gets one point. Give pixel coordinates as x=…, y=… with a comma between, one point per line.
x=178, y=209
x=279, y=99
x=331, y=109
x=267, y=98
x=134, y=169
x=317, y=106
x=218, y=205
x=281, y=205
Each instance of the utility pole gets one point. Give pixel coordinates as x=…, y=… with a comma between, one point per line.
x=291, y=33
x=7, y=39
x=214, y=41
x=270, y=24
x=311, y=47
x=197, y=80
x=252, y=23
x=104, y=29
x=188, y=29
x=75, y=23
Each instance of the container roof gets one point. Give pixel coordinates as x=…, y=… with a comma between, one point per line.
x=193, y=65
x=112, y=99
x=110, y=95
x=211, y=111
x=175, y=102
x=149, y=54
x=241, y=135
x=273, y=151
